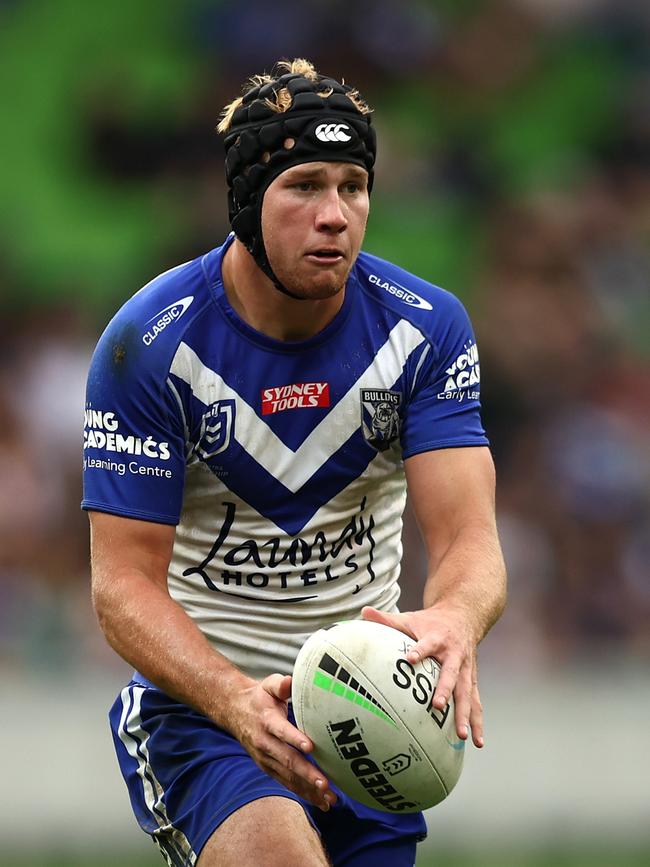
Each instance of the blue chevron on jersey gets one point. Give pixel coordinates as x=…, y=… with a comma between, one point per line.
x=328, y=454
x=280, y=462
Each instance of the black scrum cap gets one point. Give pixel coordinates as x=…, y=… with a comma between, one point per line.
x=261, y=143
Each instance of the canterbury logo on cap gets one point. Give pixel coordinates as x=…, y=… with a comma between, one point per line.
x=332, y=132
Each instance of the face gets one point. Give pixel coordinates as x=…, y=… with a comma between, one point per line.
x=313, y=222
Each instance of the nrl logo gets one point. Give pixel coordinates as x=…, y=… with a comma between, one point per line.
x=380, y=419
x=216, y=432
x=397, y=764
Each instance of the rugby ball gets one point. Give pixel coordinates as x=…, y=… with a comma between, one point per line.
x=369, y=713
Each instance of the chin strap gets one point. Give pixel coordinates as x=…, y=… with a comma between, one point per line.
x=262, y=262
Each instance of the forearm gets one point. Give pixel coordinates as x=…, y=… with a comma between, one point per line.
x=154, y=634
x=470, y=576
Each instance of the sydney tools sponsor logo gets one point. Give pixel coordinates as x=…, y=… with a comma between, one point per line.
x=165, y=317
x=401, y=293
x=296, y=396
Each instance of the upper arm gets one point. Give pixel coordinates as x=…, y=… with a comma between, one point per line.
x=443, y=405
x=451, y=490
x=134, y=427
x=120, y=546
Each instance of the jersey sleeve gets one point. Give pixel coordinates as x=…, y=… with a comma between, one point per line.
x=444, y=407
x=134, y=434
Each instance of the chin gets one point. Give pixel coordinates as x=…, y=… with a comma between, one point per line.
x=315, y=287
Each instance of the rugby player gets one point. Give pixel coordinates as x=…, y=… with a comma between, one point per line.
x=253, y=419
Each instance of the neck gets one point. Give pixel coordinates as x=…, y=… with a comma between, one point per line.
x=262, y=306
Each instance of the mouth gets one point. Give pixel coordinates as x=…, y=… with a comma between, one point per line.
x=325, y=256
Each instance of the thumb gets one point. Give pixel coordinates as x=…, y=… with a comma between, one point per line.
x=278, y=685
x=397, y=621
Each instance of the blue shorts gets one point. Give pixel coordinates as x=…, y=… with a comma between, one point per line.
x=185, y=776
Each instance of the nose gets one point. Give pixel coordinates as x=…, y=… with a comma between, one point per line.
x=329, y=215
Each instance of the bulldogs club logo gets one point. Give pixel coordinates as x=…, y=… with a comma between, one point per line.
x=380, y=416
x=217, y=425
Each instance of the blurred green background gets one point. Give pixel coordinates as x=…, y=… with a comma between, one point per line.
x=452, y=859
x=513, y=169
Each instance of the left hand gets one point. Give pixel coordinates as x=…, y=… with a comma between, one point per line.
x=444, y=633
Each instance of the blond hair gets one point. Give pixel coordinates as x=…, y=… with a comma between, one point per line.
x=282, y=99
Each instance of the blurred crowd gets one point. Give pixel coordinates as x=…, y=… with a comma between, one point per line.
x=513, y=170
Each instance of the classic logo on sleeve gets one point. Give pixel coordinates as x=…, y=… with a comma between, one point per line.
x=401, y=293
x=165, y=317
x=300, y=395
x=380, y=419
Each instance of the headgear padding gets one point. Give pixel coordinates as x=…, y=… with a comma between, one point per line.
x=261, y=143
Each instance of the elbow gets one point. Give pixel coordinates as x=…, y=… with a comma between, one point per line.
x=502, y=594
x=501, y=603
x=102, y=606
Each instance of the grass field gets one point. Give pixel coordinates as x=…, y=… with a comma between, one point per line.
x=442, y=859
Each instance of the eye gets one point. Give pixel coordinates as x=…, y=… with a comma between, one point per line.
x=304, y=186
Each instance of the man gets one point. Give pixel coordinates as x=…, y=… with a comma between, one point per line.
x=251, y=418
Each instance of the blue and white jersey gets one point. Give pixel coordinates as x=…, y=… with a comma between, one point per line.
x=281, y=463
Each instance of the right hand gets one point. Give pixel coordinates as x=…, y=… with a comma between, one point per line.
x=259, y=721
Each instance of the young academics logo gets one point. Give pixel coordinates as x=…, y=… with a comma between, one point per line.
x=107, y=442
x=300, y=395
x=102, y=430
x=401, y=293
x=165, y=317
x=464, y=374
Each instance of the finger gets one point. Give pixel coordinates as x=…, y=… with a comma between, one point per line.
x=283, y=730
x=449, y=674
x=463, y=701
x=278, y=685
x=397, y=621
x=422, y=649
x=275, y=721
x=476, y=718
x=300, y=776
